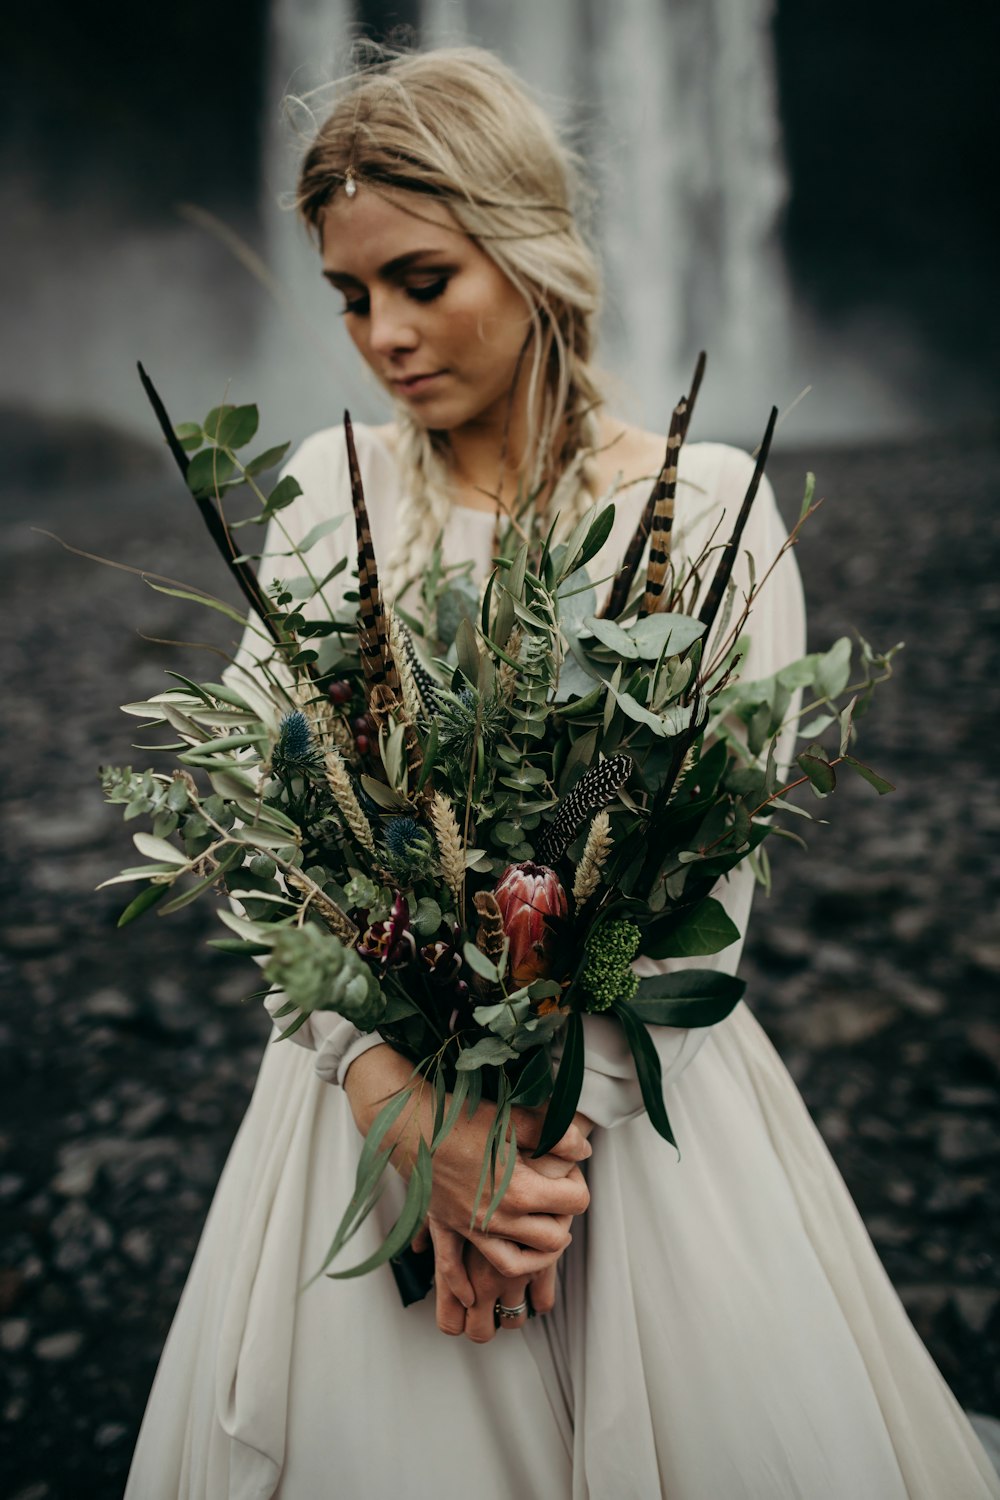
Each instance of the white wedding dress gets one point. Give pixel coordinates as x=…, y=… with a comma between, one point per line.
x=724, y=1328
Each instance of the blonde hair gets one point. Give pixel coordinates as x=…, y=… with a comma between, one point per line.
x=457, y=125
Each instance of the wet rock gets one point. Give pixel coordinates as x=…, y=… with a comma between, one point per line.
x=14, y=1334
x=984, y=1038
x=81, y=1235
x=109, y=1004
x=961, y=1140
x=24, y=940
x=109, y=1433
x=143, y=1117
x=139, y=1246
x=887, y=1231
x=841, y=1021
x=976, y=1306
x=59, y=1346
x=956, y=1196
x=11, y=1187
x=80, y=1162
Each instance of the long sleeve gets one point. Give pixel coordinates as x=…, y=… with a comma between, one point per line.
x=319, y=464
x=611, y=1093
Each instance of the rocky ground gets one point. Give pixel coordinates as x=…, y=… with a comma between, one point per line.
x=128, y=1057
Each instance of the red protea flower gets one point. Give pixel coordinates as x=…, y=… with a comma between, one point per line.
x=531, y=902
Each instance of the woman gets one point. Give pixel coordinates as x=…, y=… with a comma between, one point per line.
x=718, y=1327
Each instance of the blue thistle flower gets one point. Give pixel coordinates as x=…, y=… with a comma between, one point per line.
x=295, y=737
x=404, y=836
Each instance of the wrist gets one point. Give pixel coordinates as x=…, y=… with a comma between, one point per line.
x=371, y=1080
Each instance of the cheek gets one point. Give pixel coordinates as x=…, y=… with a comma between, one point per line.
x=489, y=320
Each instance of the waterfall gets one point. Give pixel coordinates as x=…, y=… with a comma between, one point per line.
x=674, y=105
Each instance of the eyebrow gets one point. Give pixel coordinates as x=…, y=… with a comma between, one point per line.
x=393, y=267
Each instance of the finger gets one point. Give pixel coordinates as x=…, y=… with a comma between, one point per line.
x=421, y=1240
x=540, y=1232
x=510, y=1259
x=536, y=1193
x=543, y=1290
x=573, y=1145
x=547, y=1166
x=450, y=1312
x=512, y=1294
x=480, y=1319
x=449, y=1263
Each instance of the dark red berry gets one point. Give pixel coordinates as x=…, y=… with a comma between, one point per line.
x=341, y=692
x=361, y=724
x=362, y=744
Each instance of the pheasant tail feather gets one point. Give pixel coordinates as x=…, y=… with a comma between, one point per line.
x=662, y=522
x=618, y=598
x=381, y=676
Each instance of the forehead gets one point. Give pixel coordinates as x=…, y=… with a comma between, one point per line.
x=361, y=234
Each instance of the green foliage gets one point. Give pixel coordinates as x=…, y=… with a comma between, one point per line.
x=315, y=970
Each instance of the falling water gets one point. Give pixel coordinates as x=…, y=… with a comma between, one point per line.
x=673, y=103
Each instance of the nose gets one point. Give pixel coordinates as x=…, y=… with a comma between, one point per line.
x=391, y=326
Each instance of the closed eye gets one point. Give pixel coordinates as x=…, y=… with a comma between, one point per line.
x=429, y=291
x=426, y=292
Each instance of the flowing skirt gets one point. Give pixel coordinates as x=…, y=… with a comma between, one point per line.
x=724, y=1328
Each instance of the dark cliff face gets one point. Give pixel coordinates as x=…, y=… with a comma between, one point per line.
x=97, y=108
x=890, y=117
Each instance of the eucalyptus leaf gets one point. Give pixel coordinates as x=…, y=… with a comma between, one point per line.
x=208, y=470
x=664, y=634
x=266, y=460
x=867, y=774
x=490, y=1050
x=614, y=637
x=284, y=492
x=158, y=849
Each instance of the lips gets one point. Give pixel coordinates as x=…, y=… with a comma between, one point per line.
x=411, y=385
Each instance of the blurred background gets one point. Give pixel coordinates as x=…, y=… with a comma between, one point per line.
x=798, y=188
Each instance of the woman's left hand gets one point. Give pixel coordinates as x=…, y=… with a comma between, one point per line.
x=468, y=1288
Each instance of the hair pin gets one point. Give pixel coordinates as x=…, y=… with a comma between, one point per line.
x=350, y=185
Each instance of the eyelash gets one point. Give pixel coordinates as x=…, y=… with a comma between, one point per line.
x=428, y=293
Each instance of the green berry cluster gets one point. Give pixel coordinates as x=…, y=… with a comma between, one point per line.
x=607, y=973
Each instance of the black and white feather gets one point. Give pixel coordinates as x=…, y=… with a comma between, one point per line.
x=595, y=790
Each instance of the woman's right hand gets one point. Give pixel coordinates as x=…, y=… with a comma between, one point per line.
x=528, y=1232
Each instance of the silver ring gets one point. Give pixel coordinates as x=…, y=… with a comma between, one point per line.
x=510, y=1312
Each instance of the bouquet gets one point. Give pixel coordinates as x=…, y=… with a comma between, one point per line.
x=461, y=825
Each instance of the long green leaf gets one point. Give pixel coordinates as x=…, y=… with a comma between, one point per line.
x=414, y=1212
x=458, y=1097
x=141, y=903
x=648, y=1070
x=229, y=858
x=566, y=1089
x=371, y=1165
x=504, y=1182
x=217, y=604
